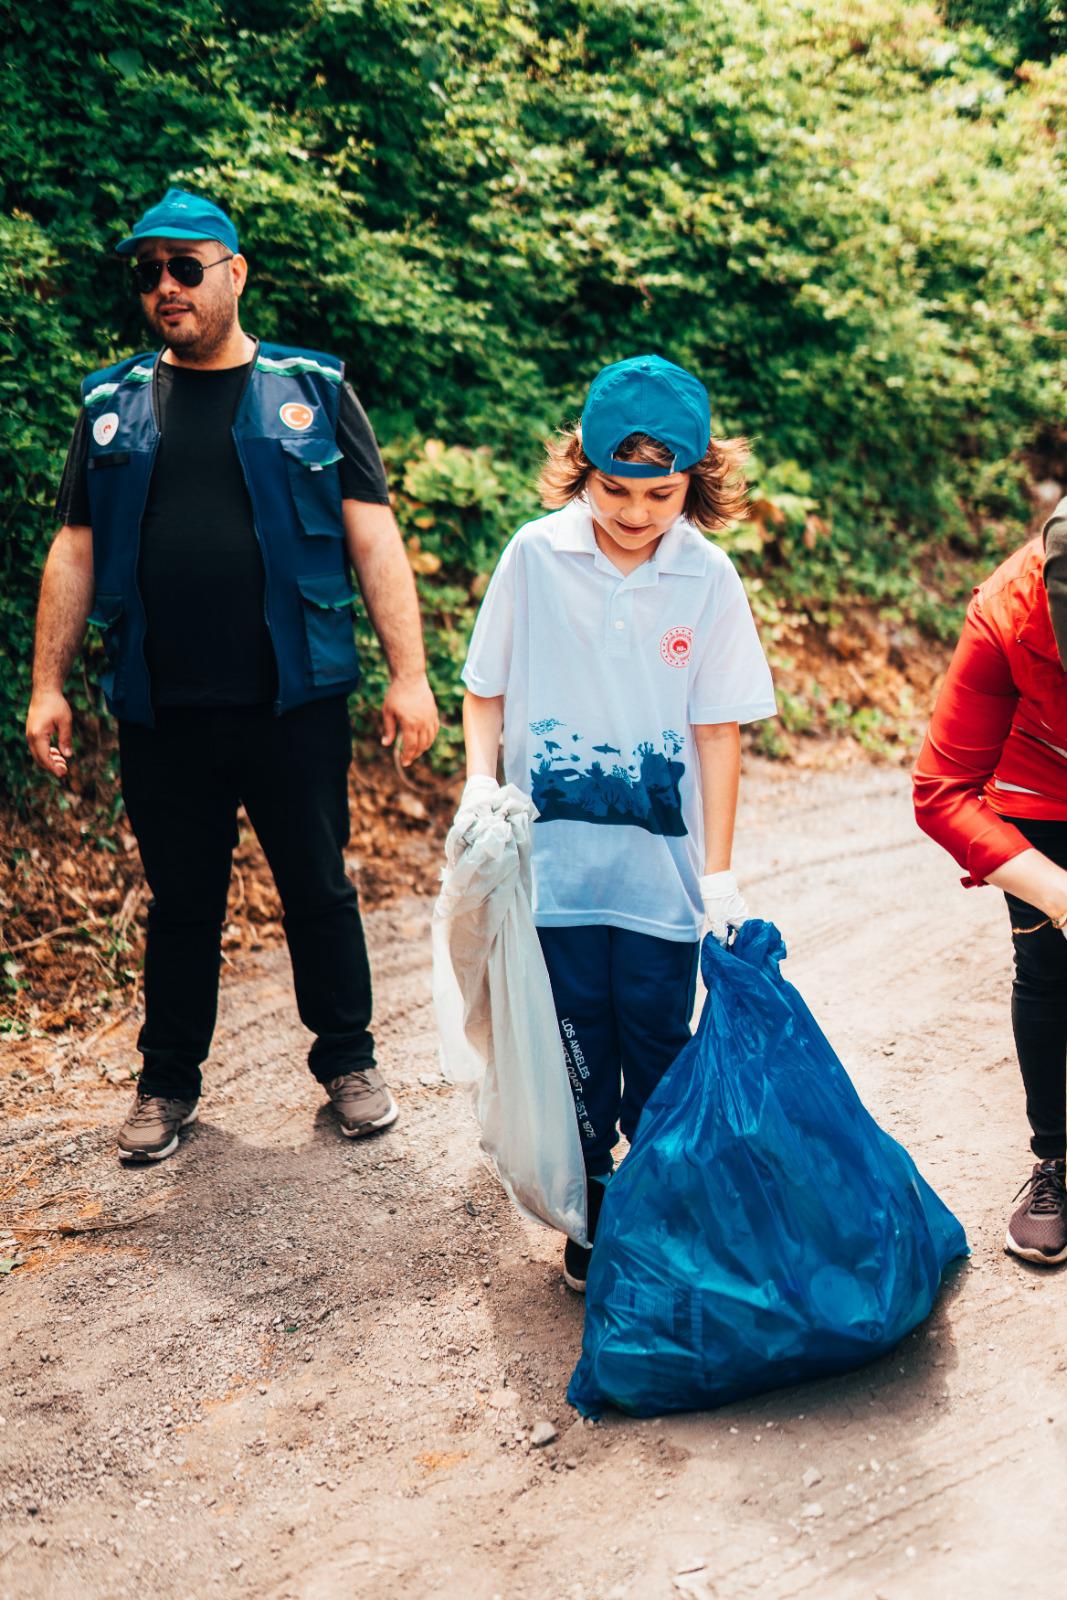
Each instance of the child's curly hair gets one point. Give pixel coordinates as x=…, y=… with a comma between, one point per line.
x=717, y=496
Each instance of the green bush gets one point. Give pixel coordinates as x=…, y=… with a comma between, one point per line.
x=848, y=220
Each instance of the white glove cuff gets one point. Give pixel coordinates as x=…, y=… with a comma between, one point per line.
x=718, y=884
x=478, y=790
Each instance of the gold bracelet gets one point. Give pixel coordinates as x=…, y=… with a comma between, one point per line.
x=1049, y=922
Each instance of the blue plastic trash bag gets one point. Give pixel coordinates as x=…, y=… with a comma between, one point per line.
x=763, y=1228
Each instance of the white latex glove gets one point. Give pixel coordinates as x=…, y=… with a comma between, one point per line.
x=478, y=794
x=724, y=904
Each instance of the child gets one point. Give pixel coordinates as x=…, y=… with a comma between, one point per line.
x=616, y=651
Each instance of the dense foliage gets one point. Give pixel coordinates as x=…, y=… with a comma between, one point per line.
x=847, y=218
x=1035, y=30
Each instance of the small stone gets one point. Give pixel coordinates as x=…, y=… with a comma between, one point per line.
x=570, y=1463
x=542, y=1433
x=236, y=1564
x=661, y=1494
x=811, y=1478
x=814, y=1509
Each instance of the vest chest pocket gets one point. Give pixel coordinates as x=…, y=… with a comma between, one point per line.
x=107, y=616
x=315, y=484
x=328, y=627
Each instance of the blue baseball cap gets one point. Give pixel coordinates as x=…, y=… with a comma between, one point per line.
x=646, y=394
x=181, y=215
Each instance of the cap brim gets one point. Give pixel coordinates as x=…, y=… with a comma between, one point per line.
x=128, y=246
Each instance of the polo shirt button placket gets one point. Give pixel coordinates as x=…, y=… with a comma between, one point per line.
x=618, y=629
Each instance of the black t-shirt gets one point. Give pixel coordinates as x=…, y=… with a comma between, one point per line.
x=201, y=572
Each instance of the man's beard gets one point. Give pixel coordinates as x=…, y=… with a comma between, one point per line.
x=206, y=332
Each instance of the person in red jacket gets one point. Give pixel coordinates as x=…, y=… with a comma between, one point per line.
x=990, y=785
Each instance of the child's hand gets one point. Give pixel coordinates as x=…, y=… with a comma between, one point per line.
x=478, y=795
x=724, y=904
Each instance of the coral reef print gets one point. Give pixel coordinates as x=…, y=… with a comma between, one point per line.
x=605, y=787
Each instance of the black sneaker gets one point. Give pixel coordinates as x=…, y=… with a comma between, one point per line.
x=576, y=1257
x=1038, y=1229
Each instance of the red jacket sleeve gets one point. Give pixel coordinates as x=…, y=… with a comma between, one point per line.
x=971, y=721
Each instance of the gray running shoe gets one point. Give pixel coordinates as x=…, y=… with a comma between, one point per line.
x=362, y=1102
x=1038, y=1228
x=150, y=1132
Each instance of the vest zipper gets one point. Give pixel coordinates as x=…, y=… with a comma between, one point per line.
x=153, y=401
x=255, y=524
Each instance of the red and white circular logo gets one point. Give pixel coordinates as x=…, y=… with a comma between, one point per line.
x=106, y=427
x=676, y=646
x=297, y=416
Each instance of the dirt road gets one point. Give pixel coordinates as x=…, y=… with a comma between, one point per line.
x=311, y=1370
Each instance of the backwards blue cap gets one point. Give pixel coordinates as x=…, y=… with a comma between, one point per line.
x=646, y=394
x=181, y=215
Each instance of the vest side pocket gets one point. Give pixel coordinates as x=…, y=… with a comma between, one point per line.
x=106, y=615
x=329, y=629
x=315, y=485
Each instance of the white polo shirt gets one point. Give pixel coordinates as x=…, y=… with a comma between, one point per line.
x=603, y=677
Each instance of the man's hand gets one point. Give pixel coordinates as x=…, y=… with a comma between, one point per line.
x=409, y=711
x=49, y=724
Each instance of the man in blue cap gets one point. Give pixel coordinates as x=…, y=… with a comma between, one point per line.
x=216, y=498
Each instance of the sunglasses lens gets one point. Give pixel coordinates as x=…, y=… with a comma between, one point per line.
x=146, y=275
x=187, y=270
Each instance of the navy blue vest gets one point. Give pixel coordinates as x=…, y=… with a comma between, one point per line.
x=285, y=433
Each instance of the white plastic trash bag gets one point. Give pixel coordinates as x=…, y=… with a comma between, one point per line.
x=495, y=1016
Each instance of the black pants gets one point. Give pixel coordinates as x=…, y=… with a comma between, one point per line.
x=1039, y=1002
x=182, y=783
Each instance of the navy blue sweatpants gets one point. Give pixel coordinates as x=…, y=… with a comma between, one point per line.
x=623, y=1001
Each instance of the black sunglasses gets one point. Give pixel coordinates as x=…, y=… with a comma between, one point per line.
x=186, y=270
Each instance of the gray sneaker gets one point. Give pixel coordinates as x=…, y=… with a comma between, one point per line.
x=150, y=1132
x=362, y=1102
x=1038, y=1228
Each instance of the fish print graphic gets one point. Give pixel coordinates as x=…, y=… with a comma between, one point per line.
x=643, y=793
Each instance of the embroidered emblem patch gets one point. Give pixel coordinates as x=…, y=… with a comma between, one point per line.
x=297, y=416
x=676, y=646
x=106, y=427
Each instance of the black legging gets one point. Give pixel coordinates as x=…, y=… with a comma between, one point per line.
x=1039, y=1002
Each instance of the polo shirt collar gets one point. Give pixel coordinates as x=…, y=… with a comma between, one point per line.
x=680, y=550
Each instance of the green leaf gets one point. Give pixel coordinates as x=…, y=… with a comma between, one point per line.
x=128, y=62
